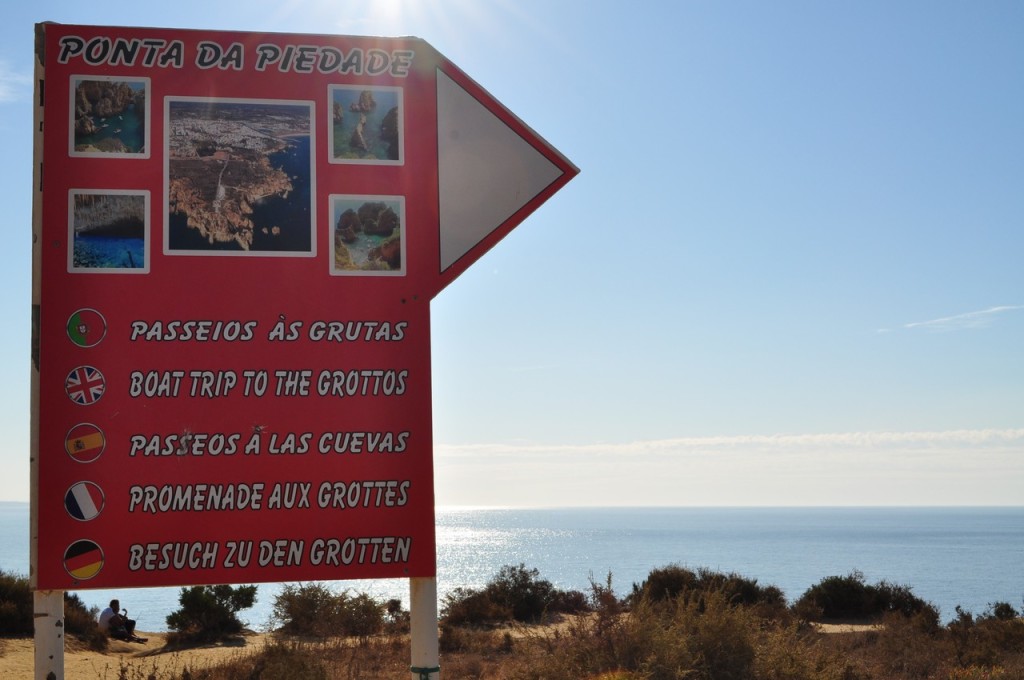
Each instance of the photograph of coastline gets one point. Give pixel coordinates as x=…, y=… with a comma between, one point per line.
x=239, y=177
x=366, y=125
x=110, y=117
x=368, y=235
x=108, y=231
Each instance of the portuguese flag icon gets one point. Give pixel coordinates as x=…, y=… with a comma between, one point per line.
x=87, y=327
x=83, y=559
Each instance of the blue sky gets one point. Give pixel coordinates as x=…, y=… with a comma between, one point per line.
x=789, y=272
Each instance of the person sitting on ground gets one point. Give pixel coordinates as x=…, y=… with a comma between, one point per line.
x=115, y=623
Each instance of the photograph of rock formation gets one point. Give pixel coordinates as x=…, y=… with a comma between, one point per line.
x=366, y=125
x=108, y=231
x=367, y=235
x=109, y=117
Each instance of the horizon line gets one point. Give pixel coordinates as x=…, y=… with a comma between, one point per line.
x=445, y=507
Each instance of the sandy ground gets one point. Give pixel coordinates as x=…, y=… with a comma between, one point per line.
x=846, y=627
x=17, y=658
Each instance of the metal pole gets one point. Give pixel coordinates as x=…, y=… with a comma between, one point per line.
x=423, y=629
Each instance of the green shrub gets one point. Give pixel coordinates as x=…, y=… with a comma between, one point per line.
x=515, y=593
x=522, y=591
x=570, y=602
x=81, y=622
x=665, y=583
x=894, y=598
x=305, y=609
x=361, y=615
x=209, y=612
x=835, y=597
x=313, y=609
x=669, y=583
x=396, y=618
x=16, y=605
x=742, y=590
x=850, y=597
x=469, y=606
x=1003, y=611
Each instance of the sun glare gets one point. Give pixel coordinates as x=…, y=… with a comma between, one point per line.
x=446, y=24
x=380, y=17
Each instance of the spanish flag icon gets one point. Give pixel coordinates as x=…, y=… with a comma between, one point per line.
x=85, y=442
x=83, y=559
x=84, y=501
x=87, y=327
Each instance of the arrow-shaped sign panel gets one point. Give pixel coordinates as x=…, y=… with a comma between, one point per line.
x=237, y=244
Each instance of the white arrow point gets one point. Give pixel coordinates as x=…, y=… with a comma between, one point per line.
x=486, y=170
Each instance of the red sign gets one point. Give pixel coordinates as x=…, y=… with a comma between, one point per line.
x=240, y=237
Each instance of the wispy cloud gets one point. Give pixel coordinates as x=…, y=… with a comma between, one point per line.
x=958, y=322
x=958, y=467
x=13, y=85
x=977, y=319
x=779, y=442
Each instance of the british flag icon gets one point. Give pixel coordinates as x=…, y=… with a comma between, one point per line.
x=85, y=385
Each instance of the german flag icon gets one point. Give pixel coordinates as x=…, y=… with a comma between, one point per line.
x=83, y=559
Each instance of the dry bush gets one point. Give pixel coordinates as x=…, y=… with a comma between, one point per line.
x=697, y=632
x=794, y=652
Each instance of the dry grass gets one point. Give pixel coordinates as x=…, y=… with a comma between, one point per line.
x=710, y=640
x=705, y=636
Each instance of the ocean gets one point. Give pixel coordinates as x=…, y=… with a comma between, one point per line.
x=109, y=252
x=128, y=127
x=970, y=557
x=291, y=213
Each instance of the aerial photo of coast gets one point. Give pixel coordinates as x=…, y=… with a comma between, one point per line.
x=239, y=177
x=109, y=117
x=366, y=125
x=368, y=235
x=108, y=231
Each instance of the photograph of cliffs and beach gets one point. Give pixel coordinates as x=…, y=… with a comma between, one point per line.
x=109, y=117
x=368, y=235
x=108, y=231
x=366, y=125
x=239, y=177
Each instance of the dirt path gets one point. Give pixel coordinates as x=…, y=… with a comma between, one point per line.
x=17, y=658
